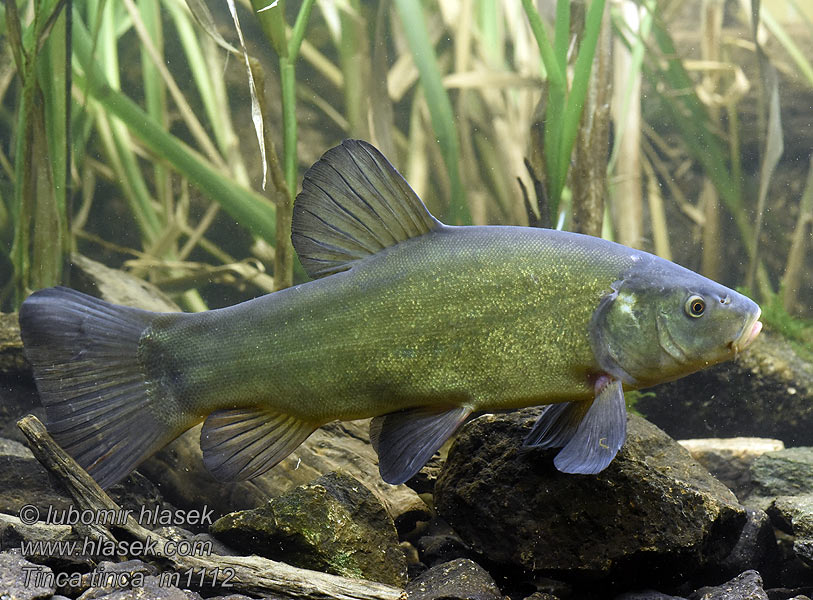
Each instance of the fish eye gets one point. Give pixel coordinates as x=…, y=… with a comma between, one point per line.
x=695, y=306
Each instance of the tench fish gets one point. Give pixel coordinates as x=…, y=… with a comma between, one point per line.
x=413, y=322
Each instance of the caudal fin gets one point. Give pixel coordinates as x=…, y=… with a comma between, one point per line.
x=84, y=353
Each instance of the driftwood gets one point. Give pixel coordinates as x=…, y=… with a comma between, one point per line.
x=251, y=574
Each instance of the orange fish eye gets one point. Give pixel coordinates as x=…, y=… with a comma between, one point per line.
x=695, y=306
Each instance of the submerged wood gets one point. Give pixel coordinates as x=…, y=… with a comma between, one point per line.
x=252, y=574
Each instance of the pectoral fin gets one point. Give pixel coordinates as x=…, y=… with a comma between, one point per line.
x=406, y=440
x=241, y=443
x=600, y=434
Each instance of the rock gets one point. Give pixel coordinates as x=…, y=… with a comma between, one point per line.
x=150, y=588
x=756, y=547
x=333, y=524
x=784, y=473
x=342, y=446
x=646, y=595
x=460, y=579
x=22, y=580
x=135, y=580
x=767, y=391
x=442, y=548
x=730, y=459
x=23, y=481
x=745, y=586
x=414, y=565
x=109, y=577
x=794, y=515
x=653, y=516
x=423, y=482
x=24, y=537
x=440, y=544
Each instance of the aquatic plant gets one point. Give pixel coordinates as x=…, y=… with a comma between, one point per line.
x=464, y=96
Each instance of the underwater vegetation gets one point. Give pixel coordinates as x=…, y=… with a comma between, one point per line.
x=169, y=137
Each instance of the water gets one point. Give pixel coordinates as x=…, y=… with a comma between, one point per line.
x=691, y=147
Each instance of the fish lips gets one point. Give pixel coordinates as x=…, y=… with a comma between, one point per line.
x=749, y=333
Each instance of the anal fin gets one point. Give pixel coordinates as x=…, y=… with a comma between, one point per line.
x=244, y=443
x=407, y=439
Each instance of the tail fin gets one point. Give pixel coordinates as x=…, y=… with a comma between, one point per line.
x=84, y=353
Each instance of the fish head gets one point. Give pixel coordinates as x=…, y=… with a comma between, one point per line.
x=662, y=322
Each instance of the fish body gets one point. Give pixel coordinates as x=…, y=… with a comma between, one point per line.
x=448, y=317
x=416, y=323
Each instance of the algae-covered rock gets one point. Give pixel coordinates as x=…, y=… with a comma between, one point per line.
x=767, y=392
x=653, y=516
x=460, y=579
x=333, y=524
x=786, y=472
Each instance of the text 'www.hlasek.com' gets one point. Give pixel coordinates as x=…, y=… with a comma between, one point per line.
x=98, y=548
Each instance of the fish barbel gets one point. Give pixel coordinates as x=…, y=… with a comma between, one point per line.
x=410, y=321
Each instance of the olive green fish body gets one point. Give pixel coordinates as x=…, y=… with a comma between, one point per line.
x=415, y=323
x=448, y=318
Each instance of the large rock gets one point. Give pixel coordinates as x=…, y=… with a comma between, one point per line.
x=459, y=579
x=766, y=392
x=786, y=472
x=653, y=516
x=333, y=524
x=745, y=586
x=730, y=459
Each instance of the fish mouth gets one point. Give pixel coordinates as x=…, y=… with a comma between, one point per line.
x=748, y=334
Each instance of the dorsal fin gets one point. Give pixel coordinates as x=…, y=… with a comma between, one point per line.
x=353, y=204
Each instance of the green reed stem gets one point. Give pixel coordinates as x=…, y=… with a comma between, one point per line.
x=564, y=108
x=440, y=107
x=249, y=209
